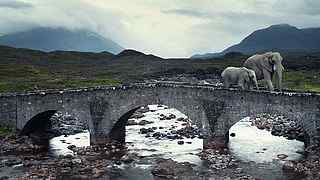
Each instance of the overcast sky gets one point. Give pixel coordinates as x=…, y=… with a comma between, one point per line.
x=167, y=28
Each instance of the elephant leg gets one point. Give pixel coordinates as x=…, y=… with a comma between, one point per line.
x=241, y=84
x=247, y=85
x=267, y=77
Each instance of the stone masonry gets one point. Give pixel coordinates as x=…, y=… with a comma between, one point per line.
x=213, y=109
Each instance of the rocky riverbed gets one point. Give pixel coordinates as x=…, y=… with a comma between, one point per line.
x=279, y=126
x=161, y=143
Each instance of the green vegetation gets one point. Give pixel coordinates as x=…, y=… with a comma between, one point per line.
x=17, y=78
x=25, y=70
x=5, y=131
x=302, y=80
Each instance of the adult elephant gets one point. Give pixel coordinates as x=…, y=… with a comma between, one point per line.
x=265, y=65
x=241, y=76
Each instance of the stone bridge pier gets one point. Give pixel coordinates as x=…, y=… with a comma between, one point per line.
x=107, y=109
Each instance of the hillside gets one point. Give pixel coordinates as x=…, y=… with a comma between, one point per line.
x=282, y=37
x=52, y=39
x=25, y=69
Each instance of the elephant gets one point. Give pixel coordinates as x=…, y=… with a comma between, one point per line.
x=241, y=76
x=265, y=65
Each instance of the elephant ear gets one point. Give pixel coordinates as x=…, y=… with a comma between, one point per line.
x=267, y=62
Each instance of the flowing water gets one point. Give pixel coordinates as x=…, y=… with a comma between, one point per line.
x=257, y=150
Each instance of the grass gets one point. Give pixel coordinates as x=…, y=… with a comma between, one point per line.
x=24, y=70
x=5, y=131
x=302, y=80
x=53, y=83
x=18, y=78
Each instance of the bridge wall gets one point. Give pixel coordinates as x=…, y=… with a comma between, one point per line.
x=212, y=109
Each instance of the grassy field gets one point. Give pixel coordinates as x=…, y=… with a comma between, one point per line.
x=24, y=70
x=302, y=80
x=28, y=77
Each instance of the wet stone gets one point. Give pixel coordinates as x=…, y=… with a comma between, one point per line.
x=71, y=147
x=169, y=169
x=131, y=122
x=282, y=156
x=12, y=162
x=137, y=115
x=146, y=130
x=144, y=122
x=182, y=119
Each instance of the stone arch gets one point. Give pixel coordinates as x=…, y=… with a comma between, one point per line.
x=118, y=131
x=38, y=123
x=42, y=126
x=228, y=119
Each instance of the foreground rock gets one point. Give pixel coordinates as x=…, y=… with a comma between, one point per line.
x=309, y=166
x=218, y=160
x=223, y=165
x=14, y=144
x=169, y=169
x=86, y=163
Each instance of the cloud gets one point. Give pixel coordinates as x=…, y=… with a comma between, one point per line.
x=186, y=12
x=296, y=7
x=14, y=4
x=167, y=28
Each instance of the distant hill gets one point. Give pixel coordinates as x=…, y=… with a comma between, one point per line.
x=53, y=39
x=282, y=37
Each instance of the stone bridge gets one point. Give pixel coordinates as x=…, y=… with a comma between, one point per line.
x=107, y=109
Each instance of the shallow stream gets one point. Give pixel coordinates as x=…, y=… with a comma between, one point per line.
x=261, y=154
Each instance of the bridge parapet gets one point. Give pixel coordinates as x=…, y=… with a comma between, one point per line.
x=212, y=108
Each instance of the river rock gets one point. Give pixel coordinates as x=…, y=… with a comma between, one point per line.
x=12, y=162
x=169, y=169
x=137, y=115
x=182, y=119
x=282, y=156
x=71, y=147
x=218, y=159
x=131, y=122
x=279, y=126
x=146, y=130
x=129, y=158
x=288, y=166
x=144, y=122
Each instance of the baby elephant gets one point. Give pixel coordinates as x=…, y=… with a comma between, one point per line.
x=241, y=76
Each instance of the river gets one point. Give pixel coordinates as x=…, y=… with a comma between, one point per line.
x=260, y=154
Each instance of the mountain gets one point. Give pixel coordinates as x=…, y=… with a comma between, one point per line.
x=281, y=37
x=53, y=39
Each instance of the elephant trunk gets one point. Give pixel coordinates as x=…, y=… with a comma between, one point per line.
x=256, y=83
x=279, y=70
